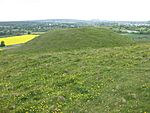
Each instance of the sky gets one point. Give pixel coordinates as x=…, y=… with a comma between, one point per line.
x=116, y=10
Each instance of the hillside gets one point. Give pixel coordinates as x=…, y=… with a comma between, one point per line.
x=73, y=39
x=101, y=72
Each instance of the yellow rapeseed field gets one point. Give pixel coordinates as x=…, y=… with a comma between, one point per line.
x=17, y=39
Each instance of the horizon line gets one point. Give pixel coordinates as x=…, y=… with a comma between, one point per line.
x=75, y=19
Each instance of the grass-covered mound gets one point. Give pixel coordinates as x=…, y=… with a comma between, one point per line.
x=75, y=38
x=84, y=79
x=101, y=80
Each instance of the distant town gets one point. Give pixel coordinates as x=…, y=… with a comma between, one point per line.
x=40, y=26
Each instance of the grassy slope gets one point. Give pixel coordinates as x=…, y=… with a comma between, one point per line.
x=89, y=80
x=145, y=38
x=73, y=39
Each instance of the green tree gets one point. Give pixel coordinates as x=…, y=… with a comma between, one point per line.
x=29, y=32
x=2, y=44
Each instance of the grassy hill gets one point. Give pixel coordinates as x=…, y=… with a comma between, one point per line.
x=87, y=78
x=73, y=39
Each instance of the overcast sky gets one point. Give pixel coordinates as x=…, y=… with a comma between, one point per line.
x=134, y=10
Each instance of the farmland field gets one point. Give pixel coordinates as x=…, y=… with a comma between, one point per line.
x=17, y=39
x=139, y=37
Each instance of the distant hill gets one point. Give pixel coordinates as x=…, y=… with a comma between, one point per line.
x=75, y=38
x=61, y=20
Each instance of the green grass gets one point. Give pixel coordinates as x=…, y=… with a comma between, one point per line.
x=139, y=37
x=74, y=39
x=80, y=80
